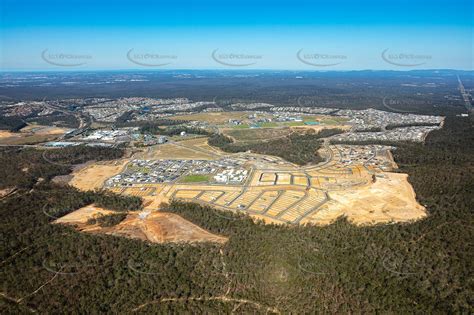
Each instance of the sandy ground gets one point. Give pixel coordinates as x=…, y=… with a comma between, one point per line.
x=162, y=227
x=93, y=176
x=49, y=130
x=81, y=215
x=31, y=134
x=389, y=199
x=6, y=191
x=8, y=134
x=155, y=227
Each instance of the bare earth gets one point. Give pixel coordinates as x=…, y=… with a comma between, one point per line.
x=31, y=134
x=93, y=176
x=81, y=215
x=389, y=199
x=154, y=227
x=6, y=191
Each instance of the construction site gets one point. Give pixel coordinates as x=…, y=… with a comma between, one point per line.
x=353, y=181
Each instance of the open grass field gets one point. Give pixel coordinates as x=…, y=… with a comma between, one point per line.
x=31, y=134
x=217, y=118
x=195, y=178
x=202, y=145
x=243, y=126
x=318, y=128
x=334, y=120
x=179, y=151
x=257, y=134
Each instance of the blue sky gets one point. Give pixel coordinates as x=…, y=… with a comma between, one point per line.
x=300, y=35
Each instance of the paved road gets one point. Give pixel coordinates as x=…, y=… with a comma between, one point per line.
x=466, y=96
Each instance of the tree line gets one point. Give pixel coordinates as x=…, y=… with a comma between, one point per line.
x=299, y=148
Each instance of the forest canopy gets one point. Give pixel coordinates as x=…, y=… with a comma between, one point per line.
x=422, y=267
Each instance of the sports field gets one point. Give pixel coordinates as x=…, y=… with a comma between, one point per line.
x=195, y=178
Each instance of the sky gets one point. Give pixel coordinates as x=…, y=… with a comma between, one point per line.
x=292, y=35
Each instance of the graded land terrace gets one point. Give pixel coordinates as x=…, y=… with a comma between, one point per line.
x=156, y=227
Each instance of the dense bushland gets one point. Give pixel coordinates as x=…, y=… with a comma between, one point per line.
x=423, y=267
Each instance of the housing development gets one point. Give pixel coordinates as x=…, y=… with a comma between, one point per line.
x=174, y=160
x=360, y=125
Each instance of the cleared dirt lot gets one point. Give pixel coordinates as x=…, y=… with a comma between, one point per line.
x=161, y=227
x=94, y=175
x=81, y=215
x=39, y=129
x=7, y=134
x=154, y=227
x=31, y=134
x=187, y=149
x=389, y=199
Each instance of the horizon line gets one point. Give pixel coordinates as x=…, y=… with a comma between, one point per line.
x=227, y=69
